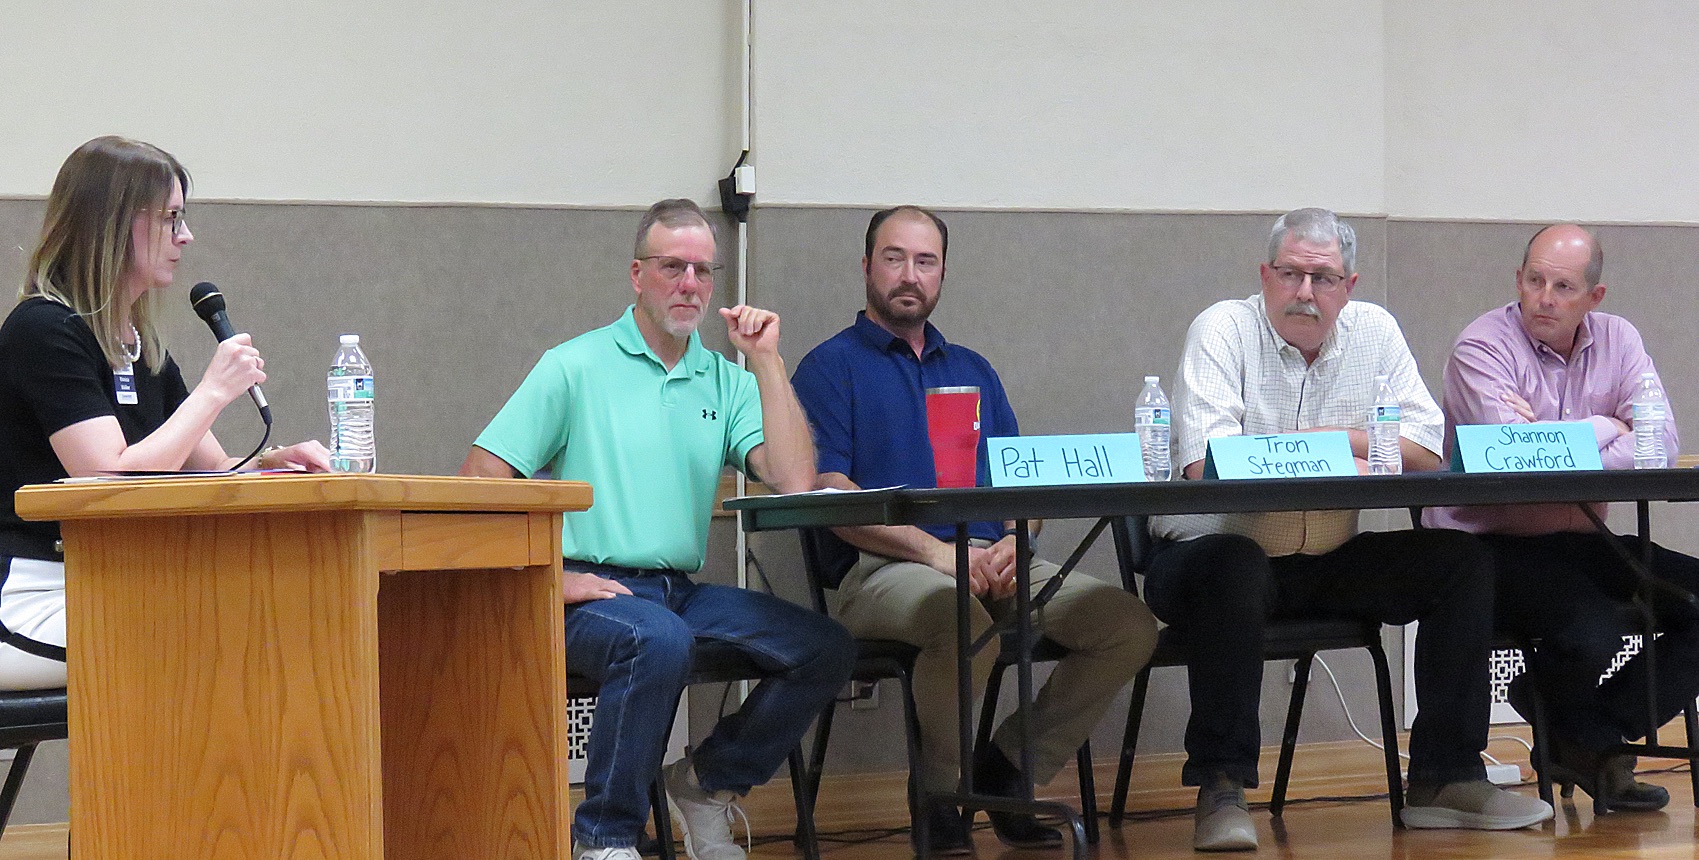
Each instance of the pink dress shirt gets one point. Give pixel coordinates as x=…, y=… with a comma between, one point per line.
x=1495, y=354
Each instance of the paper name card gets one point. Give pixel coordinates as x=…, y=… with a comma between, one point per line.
x=1097, y=458
x=1565, y=446
x=1282, y=455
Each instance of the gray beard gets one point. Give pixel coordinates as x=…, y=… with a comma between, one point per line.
x=678, y=329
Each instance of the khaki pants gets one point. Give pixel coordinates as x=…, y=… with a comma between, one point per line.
x=1110, y=632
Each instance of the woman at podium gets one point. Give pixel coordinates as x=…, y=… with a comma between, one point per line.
x=87, y=387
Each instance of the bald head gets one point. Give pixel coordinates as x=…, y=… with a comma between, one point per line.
x=1565, y=239
x=1558, y=284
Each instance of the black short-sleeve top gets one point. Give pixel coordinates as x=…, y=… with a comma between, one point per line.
x=52, y=375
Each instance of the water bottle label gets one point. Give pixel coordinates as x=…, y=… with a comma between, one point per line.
x=1150, y=415
x=351, y=388
x=1648, y=412
x=1388, y=413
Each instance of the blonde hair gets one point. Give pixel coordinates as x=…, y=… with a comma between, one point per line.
x=86, y=240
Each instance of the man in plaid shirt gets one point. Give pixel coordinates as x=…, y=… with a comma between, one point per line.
x=1300, y=357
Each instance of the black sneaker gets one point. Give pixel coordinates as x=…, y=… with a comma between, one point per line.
x=994, y=774
x=947, y=833
x=1573, y=764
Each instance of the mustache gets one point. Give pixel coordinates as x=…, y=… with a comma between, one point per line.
x=1304, y=309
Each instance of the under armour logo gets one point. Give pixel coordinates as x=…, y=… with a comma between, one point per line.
x=711, y=414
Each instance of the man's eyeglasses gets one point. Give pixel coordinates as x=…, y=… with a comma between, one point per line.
x=673, y=268
x=178, y=219
x=1321, y=282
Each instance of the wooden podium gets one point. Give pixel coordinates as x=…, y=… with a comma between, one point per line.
x=315, y=666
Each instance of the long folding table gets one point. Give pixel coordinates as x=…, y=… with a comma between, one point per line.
x=1104, y=502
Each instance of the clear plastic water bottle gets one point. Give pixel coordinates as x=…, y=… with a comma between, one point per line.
x=352, y=396
x=1151, y=421
x=1385, y=458
x=1650, y=411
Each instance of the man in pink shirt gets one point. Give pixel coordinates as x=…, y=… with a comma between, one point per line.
x=1551, y=356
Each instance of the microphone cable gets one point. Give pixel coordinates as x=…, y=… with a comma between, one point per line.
x=257, y=448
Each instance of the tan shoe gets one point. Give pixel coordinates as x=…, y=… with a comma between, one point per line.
x=1471, y=805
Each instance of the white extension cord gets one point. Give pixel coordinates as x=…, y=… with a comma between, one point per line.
x=1499, y=773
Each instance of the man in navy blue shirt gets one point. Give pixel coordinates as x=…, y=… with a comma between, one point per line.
x=864, y=392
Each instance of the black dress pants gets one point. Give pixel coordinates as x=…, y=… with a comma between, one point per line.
x=1219, y=590
x=1572, y=592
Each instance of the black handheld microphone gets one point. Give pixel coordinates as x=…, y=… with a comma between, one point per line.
x=208, y=303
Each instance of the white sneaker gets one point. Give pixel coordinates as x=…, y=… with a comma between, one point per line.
x=1222, y=820
x=585, y=852
x=703, y=819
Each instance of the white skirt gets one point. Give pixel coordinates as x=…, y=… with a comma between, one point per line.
x=32, y=604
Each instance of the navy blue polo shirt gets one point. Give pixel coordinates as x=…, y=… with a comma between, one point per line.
x=865, y=394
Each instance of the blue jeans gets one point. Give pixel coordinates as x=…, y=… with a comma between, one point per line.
x=639, y=648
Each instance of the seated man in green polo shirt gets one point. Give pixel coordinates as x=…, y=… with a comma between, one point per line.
x=648, y=416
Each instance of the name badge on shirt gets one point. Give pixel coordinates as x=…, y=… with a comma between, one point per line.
x=1280, y=455
x=124, y=385
x=1558, y=446
x=1032, y=461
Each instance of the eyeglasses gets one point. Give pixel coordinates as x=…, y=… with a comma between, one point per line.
x=178, y=218
x=1321, y=282
x=925, y=264
x=673, y=268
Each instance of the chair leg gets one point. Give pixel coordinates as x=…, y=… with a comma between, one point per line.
x=1388, y=733
x=663, y=818
x=988, y=708
x=817, y=757
x=1088, y=793
x=1129, y=746
x=816, y=763
x=1289, y=738
x=804, y=807
x=1691, y=721
x=911, y=726
x=1537, y=726
x=14, y=781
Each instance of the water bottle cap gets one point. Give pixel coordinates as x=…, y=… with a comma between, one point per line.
x=1149, y=379
x=350, y=339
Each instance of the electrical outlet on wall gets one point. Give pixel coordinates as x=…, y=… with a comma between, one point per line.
x=864, y=695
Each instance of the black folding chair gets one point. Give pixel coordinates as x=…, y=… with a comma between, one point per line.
x=880, y=658
x=715, y=662
x=1046, y=650
x=1285, y=639
x=1539, y=726
x=27, y=717
x=875, y=661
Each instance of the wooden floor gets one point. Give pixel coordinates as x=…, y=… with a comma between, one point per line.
x=1310, y=830
x=1356, y=829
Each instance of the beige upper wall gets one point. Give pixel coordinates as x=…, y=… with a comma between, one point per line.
x=1440, y=109
x=535, y=101
x=1100, y=104
x=1542, y=110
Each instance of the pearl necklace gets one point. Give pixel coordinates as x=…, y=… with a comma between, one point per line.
x=136, y=356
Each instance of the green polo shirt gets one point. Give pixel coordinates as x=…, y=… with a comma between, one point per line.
x=601, y=408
